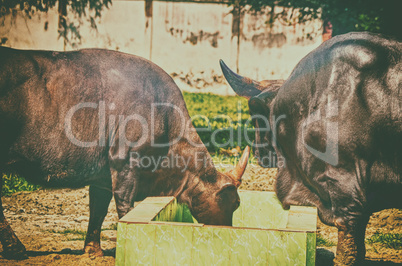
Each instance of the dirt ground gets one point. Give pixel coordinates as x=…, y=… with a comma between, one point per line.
x=43, y=219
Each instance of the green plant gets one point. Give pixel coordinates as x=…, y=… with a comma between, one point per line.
x=13, y=183
x=388, y=240
x=220, y=121
x=68, y=26
x=344, y=15
x=323, y=242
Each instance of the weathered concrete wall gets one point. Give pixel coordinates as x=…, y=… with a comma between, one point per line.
x=185, y=39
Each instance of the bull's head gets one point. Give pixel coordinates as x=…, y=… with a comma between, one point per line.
x=260, y=96
x=215, y=202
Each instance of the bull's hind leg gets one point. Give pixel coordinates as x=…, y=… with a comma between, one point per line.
x=12, y=246
x=99, y=200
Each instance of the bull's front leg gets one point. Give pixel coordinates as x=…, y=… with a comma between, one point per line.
x=351, y=248
x=99, y=200
x=12, y=246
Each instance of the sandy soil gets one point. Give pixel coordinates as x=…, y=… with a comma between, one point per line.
x=41, y=218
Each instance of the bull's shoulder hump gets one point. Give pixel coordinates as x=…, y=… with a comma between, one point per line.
x=365, y=50
x=132, y=66
x=117, y=57
x=109, y=53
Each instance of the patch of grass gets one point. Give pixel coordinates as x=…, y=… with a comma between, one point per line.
x=112, y=227
x=77, y=234
x=389, y=240
x=78, y=238
x=220, y=121
x=13, y=183
x=69, y=231
x=323, y=242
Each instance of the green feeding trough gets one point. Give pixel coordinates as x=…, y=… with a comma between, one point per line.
x=159, y=231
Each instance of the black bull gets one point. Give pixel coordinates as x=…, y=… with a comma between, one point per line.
x=337, y=122
x=110, y=120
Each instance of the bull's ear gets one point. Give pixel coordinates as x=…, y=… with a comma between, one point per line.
x=227, y=192
x=260, y=104
x=243, y=86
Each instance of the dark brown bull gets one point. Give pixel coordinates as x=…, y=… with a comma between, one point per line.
x=110, y=120
x=337, y=122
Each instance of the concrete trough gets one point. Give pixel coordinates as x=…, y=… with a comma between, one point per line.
x=159, y=231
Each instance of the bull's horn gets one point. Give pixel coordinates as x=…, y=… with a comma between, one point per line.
x=241, y=85
x=247, y=87
x=237, y=173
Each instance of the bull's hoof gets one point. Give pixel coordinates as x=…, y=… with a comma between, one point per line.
x=17, y=252
x=93, y=250
x=351, y=260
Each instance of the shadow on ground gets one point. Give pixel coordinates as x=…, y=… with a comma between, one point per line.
x=67, y=251
x=325, y=257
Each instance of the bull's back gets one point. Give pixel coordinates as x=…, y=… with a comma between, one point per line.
x=56, y=107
